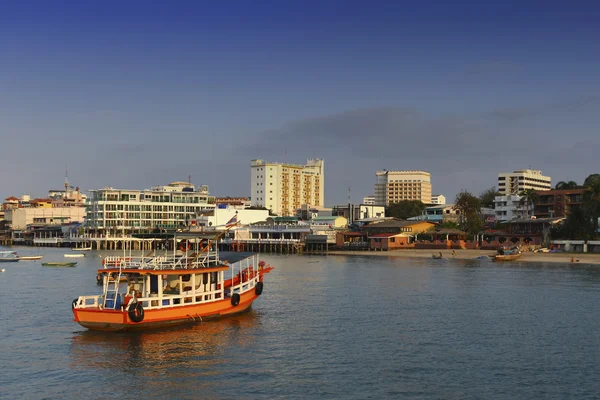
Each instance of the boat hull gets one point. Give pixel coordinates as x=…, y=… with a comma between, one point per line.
x=506, y=257
x=9, y=260
x=118, y=320
x=30, y=258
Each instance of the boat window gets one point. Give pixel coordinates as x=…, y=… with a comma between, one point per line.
x=185, y=278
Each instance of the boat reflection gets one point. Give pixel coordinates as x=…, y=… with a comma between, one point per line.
x=196, y=349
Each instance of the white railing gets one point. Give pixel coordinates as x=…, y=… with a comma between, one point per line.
x=228, y=240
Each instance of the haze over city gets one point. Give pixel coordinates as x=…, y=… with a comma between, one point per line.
x=137, y=94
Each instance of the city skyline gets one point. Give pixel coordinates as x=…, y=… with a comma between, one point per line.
x=135, y=95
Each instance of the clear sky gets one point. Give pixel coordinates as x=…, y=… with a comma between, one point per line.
x=133, y=94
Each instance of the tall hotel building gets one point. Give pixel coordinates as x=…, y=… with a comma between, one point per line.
x=395, y=186
x=518, y=181
x=284, y=188
x=164, y=207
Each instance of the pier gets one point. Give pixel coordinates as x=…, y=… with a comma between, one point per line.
x=275, y=246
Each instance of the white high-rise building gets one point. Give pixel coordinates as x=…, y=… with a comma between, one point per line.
x=394, y=186
x=284, y=188
x=518, y=181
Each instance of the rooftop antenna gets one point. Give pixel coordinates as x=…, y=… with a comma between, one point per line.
x=190, y=179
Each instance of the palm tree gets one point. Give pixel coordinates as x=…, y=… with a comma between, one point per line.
x=529, y=198
x=591, y=200
x=562, y=185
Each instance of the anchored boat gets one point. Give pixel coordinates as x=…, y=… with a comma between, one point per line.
x=59, y=264
x=30, y=258
x=189, y=284
x=508, y=254
x=9, y=256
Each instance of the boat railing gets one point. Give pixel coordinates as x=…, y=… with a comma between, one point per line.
x=161, y=262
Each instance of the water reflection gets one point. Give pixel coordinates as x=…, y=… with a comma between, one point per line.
x=187, y=349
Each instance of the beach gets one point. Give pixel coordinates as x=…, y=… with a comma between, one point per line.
x=563, y=258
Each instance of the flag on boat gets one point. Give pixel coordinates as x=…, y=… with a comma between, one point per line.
x=232, y=222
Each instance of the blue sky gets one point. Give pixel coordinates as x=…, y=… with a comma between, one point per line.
x=138, y=94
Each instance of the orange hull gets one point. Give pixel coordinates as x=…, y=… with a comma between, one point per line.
x=118, y=320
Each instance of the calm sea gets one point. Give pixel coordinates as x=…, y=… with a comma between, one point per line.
x=325, y=328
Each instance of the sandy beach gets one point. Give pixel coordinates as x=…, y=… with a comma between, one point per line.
x=563, y=258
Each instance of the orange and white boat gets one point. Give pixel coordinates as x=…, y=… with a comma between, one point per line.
x=189, y=284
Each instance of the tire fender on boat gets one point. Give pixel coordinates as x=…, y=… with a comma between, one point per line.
x=235, y=299
x=136, y=312
x=259, y=288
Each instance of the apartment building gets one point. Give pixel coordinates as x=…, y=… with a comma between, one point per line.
x=558, y=203
x=284, y=188
x=507, y=208
x=394, y=186
x=164, y=207
x=518, y=181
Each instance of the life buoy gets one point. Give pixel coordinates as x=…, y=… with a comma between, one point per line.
x=235, y=299
x=258, y=288
x=136, y=312
x=74, y=304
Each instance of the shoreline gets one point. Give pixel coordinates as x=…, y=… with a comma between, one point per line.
x=463, y=254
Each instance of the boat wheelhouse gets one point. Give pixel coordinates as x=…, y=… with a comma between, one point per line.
x=9, y=256
x=185, y=285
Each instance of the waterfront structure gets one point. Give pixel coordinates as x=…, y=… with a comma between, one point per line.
x=283, y=188
x=558, y=203
x=67, y=207
x=369, y=201
x=394, y=186
x=395, y=226
x=168, y=207
x=518, y=181
x=20, y=218
x=437, y=199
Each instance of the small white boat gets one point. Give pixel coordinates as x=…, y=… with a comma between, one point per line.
x=82, y=248
x=30, y=258
x=75, y=255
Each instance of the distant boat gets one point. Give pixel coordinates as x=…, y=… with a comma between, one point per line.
x=8, y=256
x=507, y=257
x=59, y=264
x=30, y=258
x=87, y=248
x=75, y=255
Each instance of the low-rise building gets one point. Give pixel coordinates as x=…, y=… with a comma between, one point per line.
x=395, y=226
x=219, y=217
x=354, y=212
x=438, y=214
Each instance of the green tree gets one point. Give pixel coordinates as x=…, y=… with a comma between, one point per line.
x=449, y=225
x=562, y=185
x=529, y=199
x=405, y=209
x=487, y=197
x=591, y=199
x=468, y=207
x=577, y=226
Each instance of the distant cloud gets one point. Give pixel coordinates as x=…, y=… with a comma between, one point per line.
x=460, y=151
